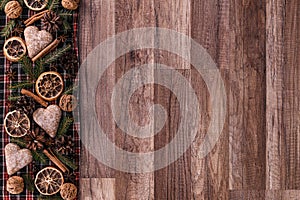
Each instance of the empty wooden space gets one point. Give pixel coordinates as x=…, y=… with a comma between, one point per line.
x=256, y=46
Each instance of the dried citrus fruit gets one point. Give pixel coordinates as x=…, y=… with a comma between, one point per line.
x=48, y=181
x=14, y=49
x=49, y=85
x=36, y=5
x=16, y=123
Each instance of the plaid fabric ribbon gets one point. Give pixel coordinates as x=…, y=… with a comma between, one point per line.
x=5, y=92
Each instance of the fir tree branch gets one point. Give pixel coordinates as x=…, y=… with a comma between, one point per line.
x=67, y=161
x=25, y=84
x=65, y=14
x=6, y=31
x=39, y=156
x=13, y=98
x=71, y=89
x=53, y=4
x=28, y=180
x=54, y=56
x=66, y=26
x=3, y=3
x=19, y=142
x=27, y=67
x=64, y=126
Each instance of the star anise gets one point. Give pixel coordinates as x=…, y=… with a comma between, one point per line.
x=64, y=145
x=36, y=139
x=18, y=30
x=51, y=22
x=10, y=74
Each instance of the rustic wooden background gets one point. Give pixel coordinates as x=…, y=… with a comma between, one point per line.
x=256, y=45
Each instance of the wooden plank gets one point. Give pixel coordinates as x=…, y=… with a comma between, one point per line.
x=264, y=194
x=210, y=174
x=134, y=14
x=283, y=95
x=97, y=24
x=175, y=15
x=173, y=181
x=246, y=95
x=97, y=188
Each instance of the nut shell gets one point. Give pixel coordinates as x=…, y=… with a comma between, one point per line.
x=70, y=4
x=13, y=9
x=68, y=102
x=15, y=185
x=68, y=191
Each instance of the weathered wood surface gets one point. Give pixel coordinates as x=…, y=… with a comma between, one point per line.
x=255, y=44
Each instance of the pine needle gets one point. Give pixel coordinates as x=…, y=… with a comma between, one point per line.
x=25, y=84
x=53, y=4
x=54, y=56
x=71, y=89
x=67, y=161
x=64, y=126
x=65, y=14
x=6, y=31
x=13, y=98
x=3, y=3
x=39, y=156
x=19, y=142
x=28, y=182
x=27, y=67
x=66, y=26
x=38, y=69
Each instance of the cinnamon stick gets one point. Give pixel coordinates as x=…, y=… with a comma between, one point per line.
x=55, y=160
x=35, y=97
x=34, y=20
x=34, y=16
x=49, y=48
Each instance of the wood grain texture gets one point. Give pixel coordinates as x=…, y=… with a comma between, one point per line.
x=97, y=188
x=173, y=181
x=210, y=174
x=128, y=15
x=247, y=95
x=255, y=44
x=96, y=25
x=283, y=95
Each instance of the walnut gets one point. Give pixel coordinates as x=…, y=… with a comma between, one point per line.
x=68, y=102
x=70, y=4
x=68, y=191
x=15, y=185
x=13, y=9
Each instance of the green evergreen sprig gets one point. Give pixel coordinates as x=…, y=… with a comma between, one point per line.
x=39, y=157
x=71, y=89
x=18, y=141
x=25, y=84
x=3, y=3
x=6, y=31
x=53, y=4
x=13, y=98
x=67, y=161
x=64, y=126
x=29, y=182
x=53, y=56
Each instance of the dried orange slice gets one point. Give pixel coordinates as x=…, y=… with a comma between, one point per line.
x=16, y=124
x=48, y=181
x=14, y=49
x=49, y=85
x=36, y=5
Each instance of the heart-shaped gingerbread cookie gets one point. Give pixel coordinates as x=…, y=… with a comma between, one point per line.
x=16, y=158
x=36, y=40
x=48, y=119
